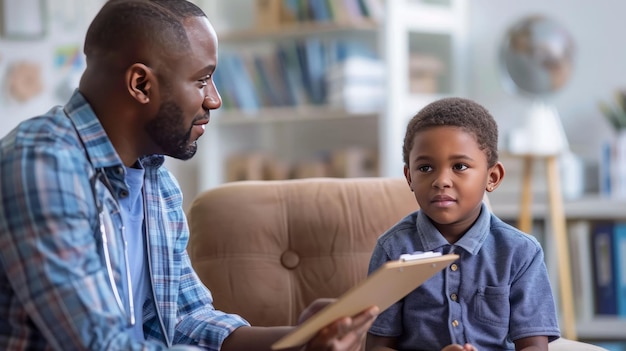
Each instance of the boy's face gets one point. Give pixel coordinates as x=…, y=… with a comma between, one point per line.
x=449, y=174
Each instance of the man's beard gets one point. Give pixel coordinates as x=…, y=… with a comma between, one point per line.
x=166, y=131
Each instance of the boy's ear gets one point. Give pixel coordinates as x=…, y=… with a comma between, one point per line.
x=407, y=176
x=495, y=176
x=139, y=80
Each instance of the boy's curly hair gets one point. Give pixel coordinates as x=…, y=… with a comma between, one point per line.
x=457, y=112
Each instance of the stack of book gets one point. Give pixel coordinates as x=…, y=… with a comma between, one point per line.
x=424, y=73
x=357, y=85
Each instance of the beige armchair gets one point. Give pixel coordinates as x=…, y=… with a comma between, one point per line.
x=266, y=249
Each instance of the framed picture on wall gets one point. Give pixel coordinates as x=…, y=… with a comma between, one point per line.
x=22, y=19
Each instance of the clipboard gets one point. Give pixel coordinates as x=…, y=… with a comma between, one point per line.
x=387, y=285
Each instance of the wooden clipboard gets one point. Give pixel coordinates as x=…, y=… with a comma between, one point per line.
x=387, y=285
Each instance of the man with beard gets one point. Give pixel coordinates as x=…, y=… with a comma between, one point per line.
x=92, y=232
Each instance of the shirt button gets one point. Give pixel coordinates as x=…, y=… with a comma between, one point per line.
x=123, y=194
x=454, y=267
x=453, y=297
x=455, y=323
x=119, y=170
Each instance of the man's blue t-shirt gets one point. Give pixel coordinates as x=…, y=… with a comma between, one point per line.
x=132, y=214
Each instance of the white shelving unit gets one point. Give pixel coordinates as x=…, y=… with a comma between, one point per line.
x=434, y=27
x=412, y=21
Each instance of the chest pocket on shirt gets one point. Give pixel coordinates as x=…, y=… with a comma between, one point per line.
x=491, y=305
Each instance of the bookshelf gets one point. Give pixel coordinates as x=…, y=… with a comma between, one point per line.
x=581, y=214
x=294, y=133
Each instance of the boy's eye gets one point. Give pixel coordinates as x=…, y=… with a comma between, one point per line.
x=460, y=167
x=424, y=168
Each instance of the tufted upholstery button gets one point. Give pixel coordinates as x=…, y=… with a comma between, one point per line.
x=290, y=259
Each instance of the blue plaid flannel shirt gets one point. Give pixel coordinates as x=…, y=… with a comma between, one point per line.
x=54, y=287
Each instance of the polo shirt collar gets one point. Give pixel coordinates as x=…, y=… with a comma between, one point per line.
x=471, y=241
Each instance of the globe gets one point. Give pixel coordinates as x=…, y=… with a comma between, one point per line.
x=536, y=60
x=536, y=56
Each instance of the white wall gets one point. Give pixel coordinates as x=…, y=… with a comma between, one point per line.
x=66, y=24
x=600, y=63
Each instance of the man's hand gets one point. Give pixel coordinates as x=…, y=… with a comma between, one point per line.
x=345, y=334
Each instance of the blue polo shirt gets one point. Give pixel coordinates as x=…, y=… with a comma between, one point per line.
x=496, y=292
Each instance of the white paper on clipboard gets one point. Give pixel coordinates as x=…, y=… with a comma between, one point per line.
x=387, y=285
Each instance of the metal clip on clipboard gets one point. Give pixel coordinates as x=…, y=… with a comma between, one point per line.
x=418, y=255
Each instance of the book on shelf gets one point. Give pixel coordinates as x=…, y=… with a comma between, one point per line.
x=619, y=254
x=312, y=61
x=356, y=12
x=245, y=167
x=274, y=13
x=354, y=162
x=620, y=164
x=227, y=95
x=255, y=166
x=310, y=169
x=289, y=11
x=613, y=167
x=338, y=11
x=237, y=82
x=605, y=294
x=375, y=9
x=291, y=71
x=320, y=11
x=604, y=169
x=272, y=86
x=268, y=13
x=582, y=271
x=424, y=73
x=266, y=94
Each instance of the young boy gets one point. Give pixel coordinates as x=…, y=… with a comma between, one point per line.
x=497, y=296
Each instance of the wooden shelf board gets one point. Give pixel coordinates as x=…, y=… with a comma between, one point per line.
x=288, y=115
x=296, y=30
x=427, y=18
x=590, y=207
x=602, y=328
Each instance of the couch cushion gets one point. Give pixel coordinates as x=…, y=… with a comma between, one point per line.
x=266, y=249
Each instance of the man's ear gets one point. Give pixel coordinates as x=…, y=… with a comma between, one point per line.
x=139, y=82
x=496, y=174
